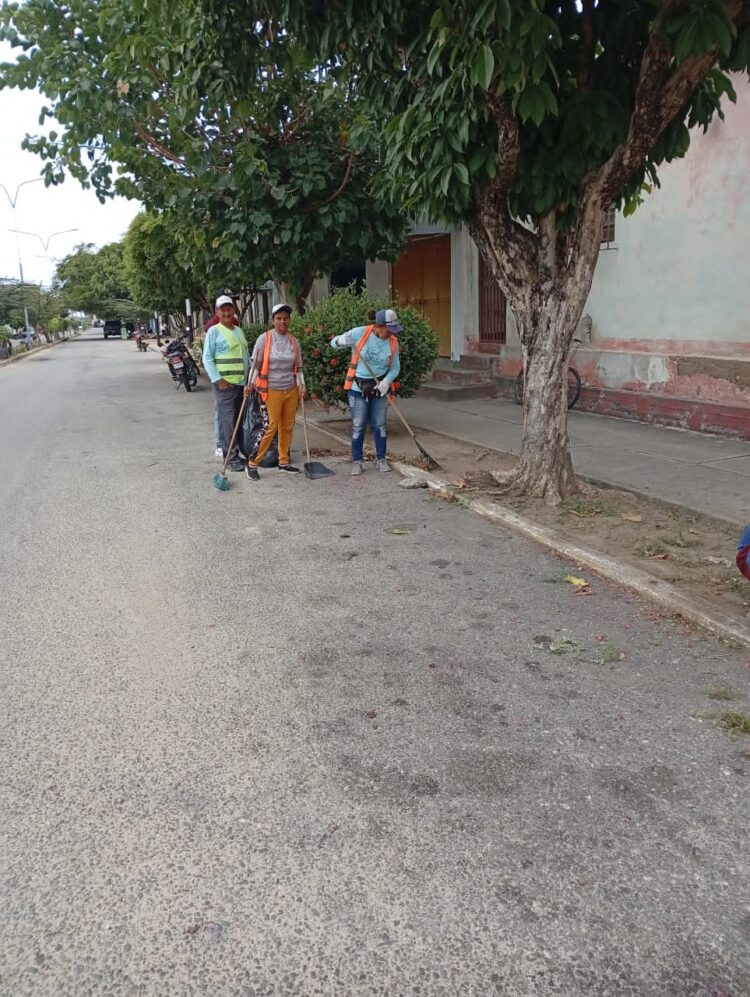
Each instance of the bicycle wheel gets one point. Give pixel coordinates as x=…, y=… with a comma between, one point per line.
x=574, y=386
x=519, y=388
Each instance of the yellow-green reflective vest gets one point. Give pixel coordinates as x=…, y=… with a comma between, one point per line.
x=231, y=365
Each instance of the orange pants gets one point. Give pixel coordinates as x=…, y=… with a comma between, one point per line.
x=282, y=408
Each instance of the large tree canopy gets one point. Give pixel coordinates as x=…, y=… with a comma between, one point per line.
x=527, y=119
x=43, y=305
x=94, y=281
x=155, y=275
x=215, y=115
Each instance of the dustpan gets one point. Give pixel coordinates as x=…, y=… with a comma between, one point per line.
x=313, y=468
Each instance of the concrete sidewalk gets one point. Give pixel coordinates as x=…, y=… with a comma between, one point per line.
x=710, y=474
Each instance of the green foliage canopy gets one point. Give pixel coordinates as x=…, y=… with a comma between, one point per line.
x=43, y=305
x=215, y=115
x=543, y=92
x=155, y=276
x=94, y=281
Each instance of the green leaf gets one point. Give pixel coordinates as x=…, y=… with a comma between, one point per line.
x=532, y=105
x=462, y=173
x=483, y=66
x=454, y=139
x=685, y=44
x=723, y=32
x=504, y=14
x=433, y=57
x=483, y=17
x=550, y=101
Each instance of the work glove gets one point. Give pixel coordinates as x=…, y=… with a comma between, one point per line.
x=383, y=388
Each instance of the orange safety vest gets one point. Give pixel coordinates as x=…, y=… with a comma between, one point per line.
x=355, y=358
x=261, y=381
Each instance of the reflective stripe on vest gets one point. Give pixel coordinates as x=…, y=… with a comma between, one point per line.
x=261, y=381
x=350, y=374
x=231, y=365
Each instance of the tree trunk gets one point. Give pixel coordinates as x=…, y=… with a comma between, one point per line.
x=544, y=468
x=289, y=294
x=546, y=276
x=291, y=291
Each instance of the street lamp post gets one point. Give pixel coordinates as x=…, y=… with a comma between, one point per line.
x=45, y=244
x=13, y=201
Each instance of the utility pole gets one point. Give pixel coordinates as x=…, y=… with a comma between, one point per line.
x=45, y=243
x=13, y=201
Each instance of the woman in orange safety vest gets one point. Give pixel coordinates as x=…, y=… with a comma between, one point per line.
x=373, y=369
x=276, y=375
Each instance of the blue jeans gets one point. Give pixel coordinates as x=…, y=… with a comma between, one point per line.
x=375, y=412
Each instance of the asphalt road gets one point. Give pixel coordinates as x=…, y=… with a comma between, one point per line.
x=254, y=743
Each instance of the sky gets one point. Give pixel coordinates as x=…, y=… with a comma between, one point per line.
x=45, y=210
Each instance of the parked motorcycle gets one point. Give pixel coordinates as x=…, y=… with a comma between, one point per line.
x=180, y=362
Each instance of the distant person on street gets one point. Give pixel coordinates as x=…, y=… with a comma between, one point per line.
x=376, y=347
x=277, y=376
x=227, y=362
x=214, y=320
x=743, y=550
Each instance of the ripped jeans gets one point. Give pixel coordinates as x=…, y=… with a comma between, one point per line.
x=375, y=412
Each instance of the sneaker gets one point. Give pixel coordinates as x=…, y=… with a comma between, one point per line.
x=252, y=473
x=218, y=452
x=289, y=467
x=382, y=465
x=236, y=464
x=357, y=468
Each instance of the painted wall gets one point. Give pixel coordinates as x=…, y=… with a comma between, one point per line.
x=676, y=280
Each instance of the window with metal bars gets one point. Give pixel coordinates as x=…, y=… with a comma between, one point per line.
x=608, y=229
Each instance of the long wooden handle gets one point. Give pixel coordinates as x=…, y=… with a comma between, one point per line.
x=236, y=430
x=304, y=426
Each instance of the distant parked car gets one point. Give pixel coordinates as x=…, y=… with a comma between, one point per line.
x=26, y=336
x=112, y=327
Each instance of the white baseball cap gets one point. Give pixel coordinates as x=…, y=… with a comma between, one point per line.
x=281, y=308
x=223, y=299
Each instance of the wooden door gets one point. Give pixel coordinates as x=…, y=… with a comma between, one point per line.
x=422, y=277
x=492, y=310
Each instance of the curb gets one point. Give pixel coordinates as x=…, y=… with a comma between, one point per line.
x=30, y=353
x=661, y=592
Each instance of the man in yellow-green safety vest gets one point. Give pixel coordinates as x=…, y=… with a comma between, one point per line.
x=227, y=362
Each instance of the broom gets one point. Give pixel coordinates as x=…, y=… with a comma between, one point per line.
x=220, y=480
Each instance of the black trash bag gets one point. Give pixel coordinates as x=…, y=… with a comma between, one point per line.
x=272, y=455
x=252, y=430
